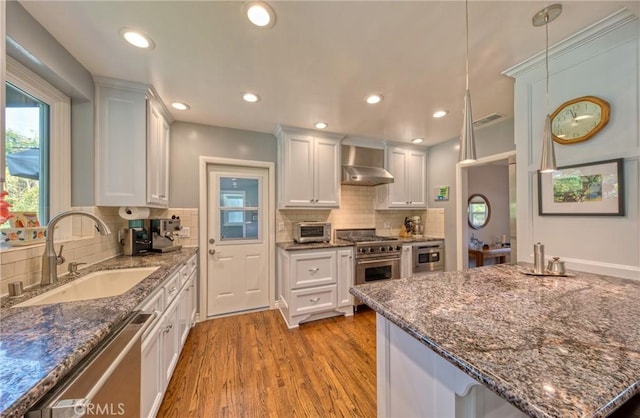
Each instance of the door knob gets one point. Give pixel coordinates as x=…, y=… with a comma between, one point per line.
x=212, y=251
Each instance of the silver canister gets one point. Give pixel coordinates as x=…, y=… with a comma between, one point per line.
x=15, y=289
x=538, y=258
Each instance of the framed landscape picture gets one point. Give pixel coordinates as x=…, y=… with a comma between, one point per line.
x=590, y=189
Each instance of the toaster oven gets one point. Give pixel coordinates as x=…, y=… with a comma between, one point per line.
x=304, y=232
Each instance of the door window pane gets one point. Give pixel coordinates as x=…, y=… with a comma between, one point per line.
x=27, y=153
x=239, y=208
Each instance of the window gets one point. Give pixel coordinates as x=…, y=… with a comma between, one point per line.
x=38, y=117
x=27, y=153
x=239, y=208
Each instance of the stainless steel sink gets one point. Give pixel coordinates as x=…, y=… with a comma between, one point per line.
x=100, y=284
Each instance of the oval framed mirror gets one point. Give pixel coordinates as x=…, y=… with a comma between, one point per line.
x=479, y=211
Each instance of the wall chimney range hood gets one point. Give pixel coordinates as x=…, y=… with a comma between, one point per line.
x=363, y=166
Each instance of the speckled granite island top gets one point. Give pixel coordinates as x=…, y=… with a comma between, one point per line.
x=40, y=344
x=552, y=346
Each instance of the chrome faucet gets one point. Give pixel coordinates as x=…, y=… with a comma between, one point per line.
x=49, y=259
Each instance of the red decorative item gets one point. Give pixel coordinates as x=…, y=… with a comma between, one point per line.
x=4, y=208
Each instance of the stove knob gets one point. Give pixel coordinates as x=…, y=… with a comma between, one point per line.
x=383, y=249
x=398, y=247
x=371, y=250
x=390, y=248
x=362, y=250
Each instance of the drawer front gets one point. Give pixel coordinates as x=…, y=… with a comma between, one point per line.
x=171, y=287
x=313, y=269
x=318, y=299
x=155, y=304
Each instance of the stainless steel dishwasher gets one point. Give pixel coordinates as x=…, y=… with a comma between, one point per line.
x=106, y=382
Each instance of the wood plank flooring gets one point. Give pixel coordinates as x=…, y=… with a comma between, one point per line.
x=251, y=365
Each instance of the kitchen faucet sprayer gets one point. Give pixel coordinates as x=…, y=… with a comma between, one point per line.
x=49, y=258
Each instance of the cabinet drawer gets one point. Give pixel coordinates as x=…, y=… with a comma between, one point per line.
x=317, y=299
x=313, y=269
x=171, y=287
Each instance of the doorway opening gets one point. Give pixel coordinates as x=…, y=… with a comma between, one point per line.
x=493, y=178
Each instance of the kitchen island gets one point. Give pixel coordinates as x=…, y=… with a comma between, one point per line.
x=40, y=345
x=547, y=346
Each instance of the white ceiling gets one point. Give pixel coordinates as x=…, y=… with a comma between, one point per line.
x=320, y=59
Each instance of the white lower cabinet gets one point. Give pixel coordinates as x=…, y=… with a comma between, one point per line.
x=162, y=344
x=315, y=284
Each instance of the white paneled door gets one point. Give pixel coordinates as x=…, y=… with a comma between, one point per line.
x=237, y=241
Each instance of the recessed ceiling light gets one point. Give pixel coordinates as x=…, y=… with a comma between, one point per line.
x=440, y=113
x=180, y=106
x=374, y=98
x=321, y=125
x=250, y=97
x=417, y=140
x=137, y=39
x=260, y=14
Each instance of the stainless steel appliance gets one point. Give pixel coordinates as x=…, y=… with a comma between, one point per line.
x=363, y=166
x=106, y=382
x=311, y=231
x=163, y=234
x=136, y=241
x=428, y=256
x=377, y=258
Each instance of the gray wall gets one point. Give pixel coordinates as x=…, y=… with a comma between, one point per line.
x=31, y=45
x=189, y=141
x=441, y=171
x=492, y=181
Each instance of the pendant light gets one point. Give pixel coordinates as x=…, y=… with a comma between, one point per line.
x=544, y=17
x=467, y=141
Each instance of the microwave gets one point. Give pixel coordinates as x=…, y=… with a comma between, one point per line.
x=304, y=232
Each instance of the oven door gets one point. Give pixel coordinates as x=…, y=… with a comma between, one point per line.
x=374, y=269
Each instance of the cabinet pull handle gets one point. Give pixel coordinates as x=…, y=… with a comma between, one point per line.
x=314, y=300
x=173, y=289
x=314, y=270
x=168, y=328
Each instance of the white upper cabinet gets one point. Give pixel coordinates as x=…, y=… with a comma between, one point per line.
x=308, y=169
x=132, y=145
x=409, y=188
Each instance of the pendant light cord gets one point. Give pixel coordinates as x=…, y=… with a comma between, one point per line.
x=466, y=5
x=546, y=55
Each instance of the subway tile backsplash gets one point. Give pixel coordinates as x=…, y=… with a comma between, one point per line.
x=357, y=210
x=24, y=263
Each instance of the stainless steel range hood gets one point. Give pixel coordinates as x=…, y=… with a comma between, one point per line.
x=364, y=166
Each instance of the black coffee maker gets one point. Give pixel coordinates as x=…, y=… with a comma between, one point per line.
x=136, y=239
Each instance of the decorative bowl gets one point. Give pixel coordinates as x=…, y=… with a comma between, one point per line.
x=23, y=236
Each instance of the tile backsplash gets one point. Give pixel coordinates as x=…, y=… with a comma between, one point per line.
x=24, y=263
x=357, y=210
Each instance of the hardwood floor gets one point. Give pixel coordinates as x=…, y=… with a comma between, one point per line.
x=252, y=366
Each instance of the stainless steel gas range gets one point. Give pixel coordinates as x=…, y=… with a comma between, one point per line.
x=377, y=258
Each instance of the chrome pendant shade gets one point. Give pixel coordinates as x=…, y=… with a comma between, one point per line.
x=467, y=139
x=548, y=159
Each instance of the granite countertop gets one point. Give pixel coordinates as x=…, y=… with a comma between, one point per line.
x=551, y=346
x=40, y=344
x=295, y=246
x=424, y=238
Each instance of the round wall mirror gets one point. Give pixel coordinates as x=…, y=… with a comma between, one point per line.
x=479, y=211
